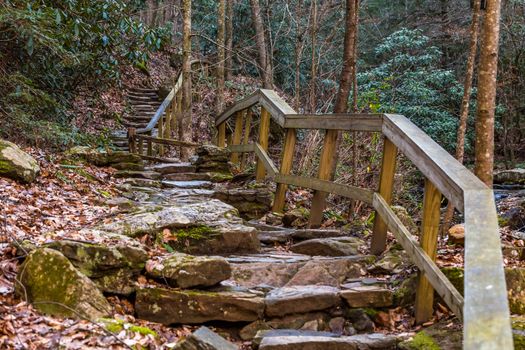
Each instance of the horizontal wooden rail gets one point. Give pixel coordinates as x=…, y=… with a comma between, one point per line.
x=484, y=309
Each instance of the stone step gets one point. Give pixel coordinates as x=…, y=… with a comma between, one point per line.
x=187, y=184
x=171, y=168
x=283, y=236
x=283, y=341
x=188, y=177
x=142, y=89
x=150, y=175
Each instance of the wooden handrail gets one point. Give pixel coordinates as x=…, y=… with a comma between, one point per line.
x=484, y=308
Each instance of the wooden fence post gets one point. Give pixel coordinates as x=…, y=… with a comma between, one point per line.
x=325, y=173
x=247, y=129
x=386, y=186
x=167, y=126
x=160, y=133
x=286, y=167
x=237, y=134
x=429, y=239
x=132, y=141
x=150, y=148
x=141, y=146
x=264, y=130
x=221, y=134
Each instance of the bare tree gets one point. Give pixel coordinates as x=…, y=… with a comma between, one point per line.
x=487, y=75
x=465, y=103
x=185, y=127
x=229, y=39
x=265, y=67
x=221, y=28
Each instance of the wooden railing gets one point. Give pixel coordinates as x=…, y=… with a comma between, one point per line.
x=150, y=147
x=484, y=308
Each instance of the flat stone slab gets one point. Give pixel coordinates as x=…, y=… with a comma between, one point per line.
x=150, y=175
x=168, y=306
x=300, y=299
x=173, y=168
x=204, y=339
x=355, y=342
x=283, y=236
x=187, y=271
x=187, y=184
x=341, y=246
x=188, y=177
x=367, y=296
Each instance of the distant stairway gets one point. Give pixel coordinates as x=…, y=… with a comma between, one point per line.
x=144, y=103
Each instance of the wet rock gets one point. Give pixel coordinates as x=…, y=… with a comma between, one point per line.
x=204, y=339
x=168, y=306
x=392, y=262
x=112, y=268
x=367, y=296
x=512, y=176
x=516, y=290
x=251, y=203
x=341, y=246
x=17, y=164
x=54, y=286
x=311, y=342
x=187, y=271
x=300, y=299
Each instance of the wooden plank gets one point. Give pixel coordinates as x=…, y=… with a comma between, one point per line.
x=237, y=134
x=221, y=135
x=429, y=239
x=265, y=161
x=247, y=129
x=264, y=131
x=487, y=320
x=347, y=191
x=141, y=146
x=286, y=167
x=439, y=281
x=132, y=141
x=150, y=148
x=274, y=104
x=245, y=103
x=386, y=185
x=250, y=147
x=349, y=122
x=325, y=173
x=445, y=172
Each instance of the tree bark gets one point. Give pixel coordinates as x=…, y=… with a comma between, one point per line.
x=487, y=75
x=313, y=64
x=465, y=103
x=185, y=127
x=221, y=28
x=229, y=39
x=299, y=48
x=260, y=39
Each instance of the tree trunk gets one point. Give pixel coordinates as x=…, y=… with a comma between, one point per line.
x=221, y=28
x=229, y=39
x=487, y=75
x=465, y=103
x=313, y=64
x=299, y=47
x=264, y=65
x=185, y=127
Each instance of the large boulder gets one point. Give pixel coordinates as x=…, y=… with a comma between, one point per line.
x=103, y=158
x=113, y=267
x=194, y=225
x=17, y=164
x=251, y=203
x=54, y=286
x=512, y=176
x=186, y=271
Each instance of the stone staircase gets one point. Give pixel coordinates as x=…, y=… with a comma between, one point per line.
x=144, y=103
x=221, y=269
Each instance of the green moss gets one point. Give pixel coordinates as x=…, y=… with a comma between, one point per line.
x=194, y=233
x=143, y=330
x=112, y=325
x=422, y=341
x=456, y=277
x=371, y=312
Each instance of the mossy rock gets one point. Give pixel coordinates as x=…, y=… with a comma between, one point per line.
x=518, y=332
x=435, y=337
x=17, y=164
x=516, y=290
x=456, y=276
x=55, y=287
x=102, y=158
x=405, y=294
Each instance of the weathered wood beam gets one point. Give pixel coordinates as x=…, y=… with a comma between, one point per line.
x=286, y=167
x=348, y=122
x=264, y=131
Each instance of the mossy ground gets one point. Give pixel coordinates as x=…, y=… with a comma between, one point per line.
x=421, y=341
